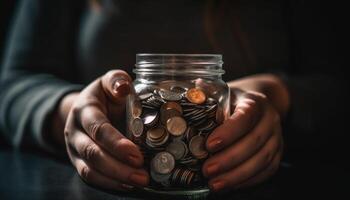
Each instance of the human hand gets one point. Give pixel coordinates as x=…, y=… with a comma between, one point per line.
x=247, y=147
x=101, y=154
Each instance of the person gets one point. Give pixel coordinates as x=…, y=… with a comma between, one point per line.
x=63, y=85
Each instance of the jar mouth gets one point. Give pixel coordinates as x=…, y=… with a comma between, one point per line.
x=210, y=64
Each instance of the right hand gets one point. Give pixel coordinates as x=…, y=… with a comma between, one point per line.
x=101, y=154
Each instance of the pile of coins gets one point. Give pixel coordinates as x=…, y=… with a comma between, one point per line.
x=171, y=127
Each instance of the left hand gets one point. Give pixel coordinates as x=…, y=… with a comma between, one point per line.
x=247, y=147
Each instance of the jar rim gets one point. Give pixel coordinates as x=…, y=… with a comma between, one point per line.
x=158, y=63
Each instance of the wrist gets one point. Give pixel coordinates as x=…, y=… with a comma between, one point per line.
x=268, y=84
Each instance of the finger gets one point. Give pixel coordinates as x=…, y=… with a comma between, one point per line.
x=102, y=162
x=270, y=170
x=245, y=148
x=117, y=85
x=246, y=114
x=95, y=178
x=247, y=169
x=98, y=127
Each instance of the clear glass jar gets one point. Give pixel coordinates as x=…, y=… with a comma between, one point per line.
x=179, y=99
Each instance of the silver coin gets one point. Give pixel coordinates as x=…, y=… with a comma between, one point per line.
x=177, y=148
x=145, y=96
x=136, y=127
x=169, y=95
x=150, y=119
x=176, y=125
x=197, y=147
x=160, y=178
x=163, y=163
x=178, y=89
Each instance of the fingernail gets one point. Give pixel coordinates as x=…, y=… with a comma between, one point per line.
x=134, y=160
x=214, y=143
x=217, y=185
x=138, y=179
x=121, y=87
x=212, y=169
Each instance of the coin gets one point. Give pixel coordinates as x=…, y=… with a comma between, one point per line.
x=136, y=127
x=169, y=95
x=197, y=147
x=178, y=149
x=195, y=95
x=155, y=133
x=145, y=96
x=165, y=114
x=176, y=125
x=172, y=105
x=160, y=178
x=190, y=132
x=150, y=119
x=156, y=137
x=178, y=89
x=136, y=109
x=163, y=163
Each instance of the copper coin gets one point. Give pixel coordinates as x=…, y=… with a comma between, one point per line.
x=197, y=147
x=155, y=133
x=176, y=125
x=196, y=95
x=165, y=114
x=136, y=108
x=172, y=105
x=136, y=127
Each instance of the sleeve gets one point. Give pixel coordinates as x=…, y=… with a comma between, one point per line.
x=318, y=85
x=38, y=69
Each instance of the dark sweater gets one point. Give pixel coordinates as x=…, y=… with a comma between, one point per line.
x=59, y=46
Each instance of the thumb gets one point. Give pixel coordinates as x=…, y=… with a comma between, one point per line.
x=117, y=85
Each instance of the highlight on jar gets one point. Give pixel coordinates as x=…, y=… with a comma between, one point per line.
x=178, y=100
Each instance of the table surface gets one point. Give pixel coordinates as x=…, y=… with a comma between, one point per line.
x=31, y=175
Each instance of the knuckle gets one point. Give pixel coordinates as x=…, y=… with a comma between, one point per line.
x=90, y=152
x=95, y=129
x=85, y=173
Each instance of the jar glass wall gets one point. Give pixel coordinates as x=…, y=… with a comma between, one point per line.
x=178, y=100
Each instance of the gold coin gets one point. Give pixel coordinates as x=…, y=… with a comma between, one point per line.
x=176, y=125
x=172, y=105
x=196, y=95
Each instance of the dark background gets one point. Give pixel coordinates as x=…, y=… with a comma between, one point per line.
x=312, y=179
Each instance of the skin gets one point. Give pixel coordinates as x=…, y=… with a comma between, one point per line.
x=247, y=147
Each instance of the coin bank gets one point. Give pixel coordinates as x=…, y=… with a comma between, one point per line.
x=177, y=102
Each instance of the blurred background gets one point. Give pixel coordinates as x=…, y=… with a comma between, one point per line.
x=6, y=15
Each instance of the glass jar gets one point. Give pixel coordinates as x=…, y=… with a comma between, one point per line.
x=179, y=99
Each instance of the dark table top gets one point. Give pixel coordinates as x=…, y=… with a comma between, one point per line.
x=32, y=175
